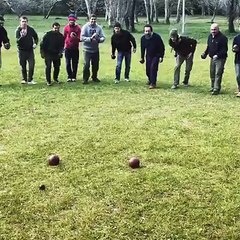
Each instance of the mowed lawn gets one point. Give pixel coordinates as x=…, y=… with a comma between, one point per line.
x=187, y=140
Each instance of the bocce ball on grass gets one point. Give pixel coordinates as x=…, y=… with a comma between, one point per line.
x=53, y=160
x=134, y=162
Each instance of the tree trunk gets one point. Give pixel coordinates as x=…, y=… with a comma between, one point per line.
x=232, y=15
x=178, y=12
x=132, y=13
x=155, y=12
x=167, y=12
x=146, y=4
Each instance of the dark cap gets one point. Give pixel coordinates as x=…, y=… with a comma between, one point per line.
x=174, y=33
x=72, y=17
x=117, y=24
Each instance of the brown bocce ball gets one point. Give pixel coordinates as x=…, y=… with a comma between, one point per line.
x=134, y=162
x=53, y=160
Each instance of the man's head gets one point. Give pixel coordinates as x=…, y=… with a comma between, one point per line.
x=1, y=21
x=72, y=19
x=23, y=22
x=174, y=35
x=55, y=27
x=117, y=28
x=214, y=29
x=148, y=31
x=93, y=19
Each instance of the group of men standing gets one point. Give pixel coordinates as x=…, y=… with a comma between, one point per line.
x=54, y=44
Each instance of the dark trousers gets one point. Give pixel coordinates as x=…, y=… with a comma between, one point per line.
x=24, y=58
x=152, y=69
x=237, y=70
x=216, y=72
x=72, y=59
x=56, y=61
x=179, y=62
x=94, y=59
x=120, y=57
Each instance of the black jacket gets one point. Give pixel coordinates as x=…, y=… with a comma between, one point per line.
x=26, y=43
x=122, y=41
x=3, y=36
x=217, y=45
x=183, y=46
x=52, y=43
x=236, y=41
x=154, y=46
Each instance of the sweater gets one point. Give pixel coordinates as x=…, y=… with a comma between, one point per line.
x=72, y=42
x=123, y=41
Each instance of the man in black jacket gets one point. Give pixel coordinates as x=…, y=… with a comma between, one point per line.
x=184, y=48
x=27, y=40
x=123, y=41
x=3, y=39
x=152, y=44
x=51, y=48
x=217, y=47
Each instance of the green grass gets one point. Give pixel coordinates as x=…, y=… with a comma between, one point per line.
x=187, y=140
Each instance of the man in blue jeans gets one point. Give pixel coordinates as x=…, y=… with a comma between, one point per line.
x=123, y=41
x=152, y=44
x=236, y=50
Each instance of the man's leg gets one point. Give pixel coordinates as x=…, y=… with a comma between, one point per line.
x=48, y=63
x=75, y=60
x=219, y=72
x=86, y=66
x=179, y=62
x=31, y=63
x=148, y=68
x=237, y=70
x=212, y=72
x=127, y=65
x=23, y=63
x=68, y=58
x=188, y=69
x=95, y=66
x=56, y=68
x=119, y=65
x=154, y=70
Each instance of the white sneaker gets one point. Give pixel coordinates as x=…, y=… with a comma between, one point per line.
x=69, y=80
x=23, y=82
x=116, y=81
x=74, y=80
x=32, y=82
x=127, y=80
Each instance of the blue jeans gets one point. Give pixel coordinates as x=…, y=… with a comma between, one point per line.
x=152, y=69
x=94, y=59
x=127, y=56
x=237, y=70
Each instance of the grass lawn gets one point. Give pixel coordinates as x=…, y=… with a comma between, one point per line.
x=187, y=140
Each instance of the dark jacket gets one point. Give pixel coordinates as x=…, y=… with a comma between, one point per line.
x=217, y=45
x=52, y=43
x=3, y=36
x=236, y=41
x=183, y=46
x=154, y=46
x=122, y=41
x=26, y=43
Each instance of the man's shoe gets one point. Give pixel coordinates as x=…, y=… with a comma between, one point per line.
x=69, y=80
x=211, y=90
x=116, y=81
x=238, y=94
x=32, y=82
x=215, y=92
x=152, y=86
x=49, y=84
x=85, y=82
x=96, y=80
x=185, y=84
x=56, y=81
x=23, y=82
x=73, y=79
x=127, y=80
x=174, y=87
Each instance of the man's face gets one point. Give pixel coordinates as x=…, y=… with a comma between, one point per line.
x=147, y=32
x=214, y=30
x=23, y=23
x=56, y=28
x=117, y=30
x=93, y=20
x=71, y=23
x=174, y=39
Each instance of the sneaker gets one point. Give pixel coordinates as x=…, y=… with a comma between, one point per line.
x=127, y=80
x=185, y=84
x=23, y=82
x=85, y=82
x=211, y=90
x=174, y=87
x=56, y=81
x=73, y=79
x=116, y=81
x=49, y=84
x=32, y=82
x=238, y=94
x=152, y=86
x=96, y=80
x=215, y=92
x=69, y=80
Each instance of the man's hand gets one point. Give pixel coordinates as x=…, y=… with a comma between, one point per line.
x=235, y=48
x=113, y=56
x=204, y=55
x=73, y=34
x=7, y=46
x=142, y=61
x=160, y=60
x=134, y=50
x=215, y=57
x=34, y=45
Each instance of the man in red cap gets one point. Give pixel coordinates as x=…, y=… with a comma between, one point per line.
x=71, y=34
